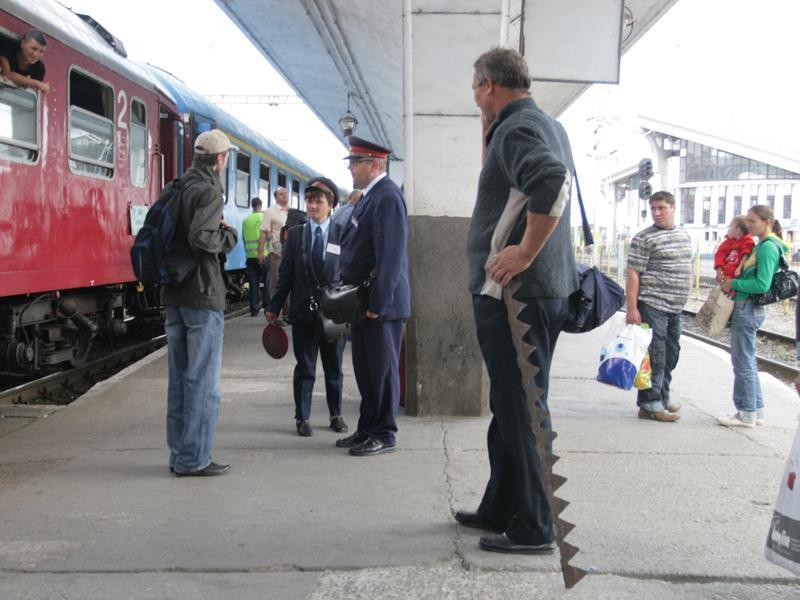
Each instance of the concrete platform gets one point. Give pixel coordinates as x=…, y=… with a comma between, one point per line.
x=678, y=510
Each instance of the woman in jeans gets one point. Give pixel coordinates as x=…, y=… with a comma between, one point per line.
x=756, y=278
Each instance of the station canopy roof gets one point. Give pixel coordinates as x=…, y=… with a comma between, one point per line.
x=326, y=49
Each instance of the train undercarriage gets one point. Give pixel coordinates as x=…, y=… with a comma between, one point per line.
x=57, y=329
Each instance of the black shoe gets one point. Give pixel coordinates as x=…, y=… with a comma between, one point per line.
x=338, y=425
x=304, y=429
x=253, y=314
x=355, y=439
x=211, y=470
x=501, y=543
x=372, y=447
x=471, y=519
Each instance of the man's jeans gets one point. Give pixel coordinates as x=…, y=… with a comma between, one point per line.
x=665, y=348
x=257, y=274
x=194, y=340
x=745, y=321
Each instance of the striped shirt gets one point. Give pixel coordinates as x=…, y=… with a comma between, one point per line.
x=663, y=259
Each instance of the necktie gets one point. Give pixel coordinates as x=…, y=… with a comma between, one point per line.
x=317, y=258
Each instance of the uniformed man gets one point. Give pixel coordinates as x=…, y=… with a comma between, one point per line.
x=256, y=270
x=374, y=247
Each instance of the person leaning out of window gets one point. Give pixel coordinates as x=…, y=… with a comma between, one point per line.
x=22, y=64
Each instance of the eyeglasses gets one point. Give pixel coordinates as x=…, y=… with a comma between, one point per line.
x=354, y=161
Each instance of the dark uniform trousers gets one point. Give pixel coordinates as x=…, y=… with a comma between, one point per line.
x=376, y=363
x=306, y=345
x=257, y=274
x=515, y=495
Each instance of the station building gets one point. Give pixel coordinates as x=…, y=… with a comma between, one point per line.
x=713, y=180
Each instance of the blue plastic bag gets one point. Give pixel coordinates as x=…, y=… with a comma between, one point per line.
x=623, y=352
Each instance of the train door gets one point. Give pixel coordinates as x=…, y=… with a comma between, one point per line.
x=170, y=130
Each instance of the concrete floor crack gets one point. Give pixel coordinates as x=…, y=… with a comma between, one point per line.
x=458, y=555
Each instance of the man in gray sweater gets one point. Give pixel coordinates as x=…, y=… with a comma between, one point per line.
x=520, y=229
x=194, y=312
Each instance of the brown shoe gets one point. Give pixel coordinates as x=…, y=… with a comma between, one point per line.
x=662, y=415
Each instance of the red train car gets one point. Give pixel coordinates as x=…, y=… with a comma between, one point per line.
x=78, y=167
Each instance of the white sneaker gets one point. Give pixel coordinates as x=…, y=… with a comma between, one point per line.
x=734, y=420
x=760, y=416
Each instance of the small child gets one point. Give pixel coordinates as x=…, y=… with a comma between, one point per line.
x=731, y=254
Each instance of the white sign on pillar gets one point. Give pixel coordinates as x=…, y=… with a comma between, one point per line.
x=574, y=40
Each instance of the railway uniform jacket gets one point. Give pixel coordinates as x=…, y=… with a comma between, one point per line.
x=376, y=240
x=292, y=272
x=201, y=213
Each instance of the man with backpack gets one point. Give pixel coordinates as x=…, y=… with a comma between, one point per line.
x=194, y=312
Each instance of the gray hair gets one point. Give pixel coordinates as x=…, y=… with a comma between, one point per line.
x=505, y=67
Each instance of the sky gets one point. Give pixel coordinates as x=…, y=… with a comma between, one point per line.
x=195, y=41
x=726, y=67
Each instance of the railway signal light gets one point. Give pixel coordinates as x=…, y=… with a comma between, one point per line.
x=645, y=173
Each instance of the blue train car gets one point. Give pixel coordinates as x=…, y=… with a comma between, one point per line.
x=257, y=169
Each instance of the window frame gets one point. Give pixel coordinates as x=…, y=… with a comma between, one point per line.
x=130, y=142
x=265, y=193
x=236, y=172
x=35, y=148
x=75, y=68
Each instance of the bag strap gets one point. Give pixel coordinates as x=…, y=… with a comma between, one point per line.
x=782, y=264
x=588, y=238
x=304, y=253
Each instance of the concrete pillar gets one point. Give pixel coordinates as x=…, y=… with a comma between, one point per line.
x=444, y=368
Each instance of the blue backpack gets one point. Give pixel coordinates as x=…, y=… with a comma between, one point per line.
x=161, y=255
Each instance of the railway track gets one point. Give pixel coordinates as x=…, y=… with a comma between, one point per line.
x=65, y=386
x=768, y=356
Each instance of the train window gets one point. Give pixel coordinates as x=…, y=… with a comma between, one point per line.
x=138, y=141
x=296, y=193
x=242, y=180
x=281, y=179
x=91, y=126
x=263, y=182
x=19, y=124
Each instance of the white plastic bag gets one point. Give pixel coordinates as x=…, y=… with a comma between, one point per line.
x=623, y=352
x=783, y=539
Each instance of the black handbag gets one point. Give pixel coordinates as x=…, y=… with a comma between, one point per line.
x=324, y=326
x=598, y=297
x=784, y=285
x=345, y=303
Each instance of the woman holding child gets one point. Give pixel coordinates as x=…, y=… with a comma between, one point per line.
x=756, y=278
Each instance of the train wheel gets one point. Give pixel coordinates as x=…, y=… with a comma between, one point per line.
x=83, y=343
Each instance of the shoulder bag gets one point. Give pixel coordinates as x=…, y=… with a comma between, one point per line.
x=598, y=296
x=784, y=285
x=327, y=327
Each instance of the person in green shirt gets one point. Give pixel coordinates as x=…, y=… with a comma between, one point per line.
x=256, y=271
x=756, y=278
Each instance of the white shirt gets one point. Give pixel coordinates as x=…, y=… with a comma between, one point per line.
x=324, y=226
x=371, y=185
